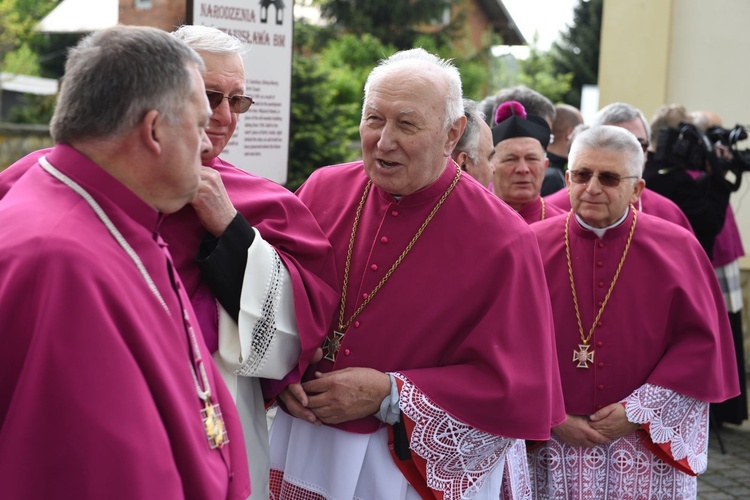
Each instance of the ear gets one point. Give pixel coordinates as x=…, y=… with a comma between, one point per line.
x=567, y=180
x=454, y=134
x=637, y=190
x=461, y=158
x=546, y=163
x=150, y=131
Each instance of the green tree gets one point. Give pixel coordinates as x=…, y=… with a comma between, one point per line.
x=537, y=72
x=318, y=135
x=18, y=18
x=347, y=61
x=392, y=22
x=578, y=51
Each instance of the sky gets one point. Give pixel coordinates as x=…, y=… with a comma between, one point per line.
x=547, y=17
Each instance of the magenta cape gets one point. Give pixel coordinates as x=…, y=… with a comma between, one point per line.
x=728, y=243
x=665, y=323
x=465, y=317
x=96, y=395
x=651, y=203
x=532, y=212
x=283, y=221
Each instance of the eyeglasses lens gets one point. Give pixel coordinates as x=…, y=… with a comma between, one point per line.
x=237, y=103
x=605, y=178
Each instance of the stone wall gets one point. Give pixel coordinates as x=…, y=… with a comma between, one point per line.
x=18, y=140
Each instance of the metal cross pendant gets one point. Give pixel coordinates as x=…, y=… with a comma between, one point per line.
x=331, y=346
x=583, y=356
x=213, y=424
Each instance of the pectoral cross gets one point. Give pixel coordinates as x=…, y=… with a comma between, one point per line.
x=583, y=356
x=331, y=346
x=213, y=424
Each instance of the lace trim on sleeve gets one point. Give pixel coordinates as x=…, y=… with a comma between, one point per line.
x=679, y=420
x=265, y=328
x=458, y=457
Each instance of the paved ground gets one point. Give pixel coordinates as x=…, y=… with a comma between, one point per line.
x=728, y=474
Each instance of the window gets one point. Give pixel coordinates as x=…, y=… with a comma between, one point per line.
x=143, y=4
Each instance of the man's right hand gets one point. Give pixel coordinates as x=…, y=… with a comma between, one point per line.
x=577, y=431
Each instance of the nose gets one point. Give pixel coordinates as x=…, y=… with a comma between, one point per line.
x=522, y=166
x=387, y=140
x=594, y=186
x=222, y=114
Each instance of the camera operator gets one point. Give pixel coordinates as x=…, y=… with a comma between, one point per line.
x=689, y=166
x=683, y=166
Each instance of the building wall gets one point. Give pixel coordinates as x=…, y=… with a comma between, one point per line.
x=164, y=14
x=690, y=52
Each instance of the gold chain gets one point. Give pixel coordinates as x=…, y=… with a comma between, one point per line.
x=544, y=208
x=343, y=326
x=585, y=340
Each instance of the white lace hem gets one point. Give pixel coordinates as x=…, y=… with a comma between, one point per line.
x=679, y=420
x=459, y=457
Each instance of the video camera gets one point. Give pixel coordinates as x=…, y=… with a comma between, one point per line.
x=688, y=147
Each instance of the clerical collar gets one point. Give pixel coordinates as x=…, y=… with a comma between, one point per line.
x=599, y=231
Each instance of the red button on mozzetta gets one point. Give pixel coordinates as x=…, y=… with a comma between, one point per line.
x=374, y=267
x=347, y=352
x=383, y=240
x=394, y=213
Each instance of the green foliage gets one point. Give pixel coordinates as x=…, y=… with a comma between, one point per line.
x=392, y=22
x=538, y=73
x=578, y=51
x=18, y=18
x=35, y=109
x=22, y=61
x=347, y=62
x=318, y=133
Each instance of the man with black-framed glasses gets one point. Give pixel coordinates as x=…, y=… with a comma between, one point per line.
x=642, y=335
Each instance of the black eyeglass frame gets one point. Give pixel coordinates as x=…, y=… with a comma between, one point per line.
x=238, y=103
x=607, y=179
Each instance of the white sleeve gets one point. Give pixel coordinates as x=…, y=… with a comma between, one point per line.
x=265, y=340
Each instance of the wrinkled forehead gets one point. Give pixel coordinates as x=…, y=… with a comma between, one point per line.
x=600, y=160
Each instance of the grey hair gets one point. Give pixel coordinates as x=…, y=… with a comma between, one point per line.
x=668, y=115
x=209, y=39
x=533, y=102
x=612, y=138
x=620, y=112
x=412, y=58
x=469, y=141
x=113, y=77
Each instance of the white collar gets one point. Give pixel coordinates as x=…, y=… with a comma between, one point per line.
x=599, y=231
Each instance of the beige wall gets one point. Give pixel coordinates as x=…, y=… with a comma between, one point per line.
x=691, y=52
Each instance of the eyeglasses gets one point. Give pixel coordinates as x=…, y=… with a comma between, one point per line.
x=607, y=179
x=237, y=103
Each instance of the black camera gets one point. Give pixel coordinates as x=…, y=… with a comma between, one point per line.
x=688, y=147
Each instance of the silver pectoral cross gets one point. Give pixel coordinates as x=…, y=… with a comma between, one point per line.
x=583, y=356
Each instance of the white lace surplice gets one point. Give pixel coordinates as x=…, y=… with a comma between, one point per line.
x=263, y=343
x=626, y=469
x=323, y=462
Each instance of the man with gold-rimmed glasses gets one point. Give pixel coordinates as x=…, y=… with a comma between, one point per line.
x=642, y=336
